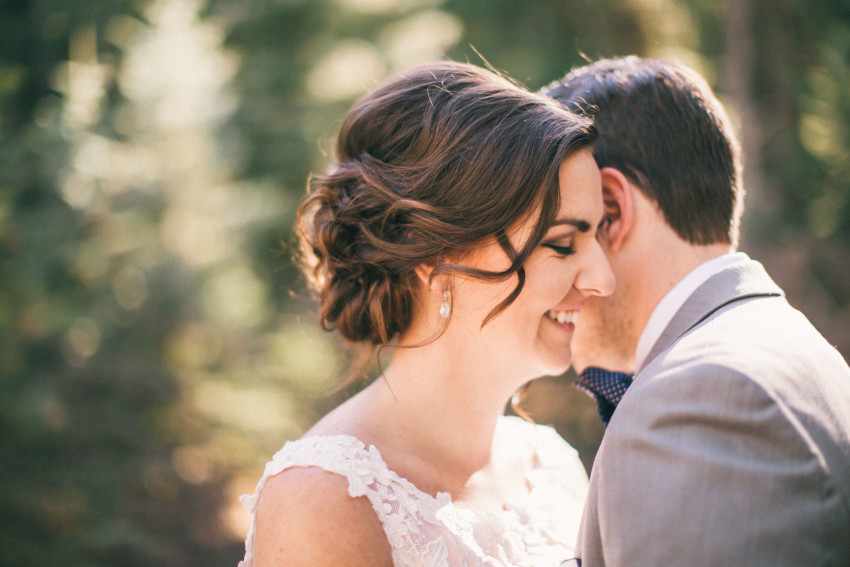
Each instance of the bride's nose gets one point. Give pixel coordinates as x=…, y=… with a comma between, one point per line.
x=596, y=277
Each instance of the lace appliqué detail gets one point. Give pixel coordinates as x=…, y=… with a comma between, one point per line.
x=427, y=531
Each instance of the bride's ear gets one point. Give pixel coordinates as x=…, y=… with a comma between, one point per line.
x=427, y=278
x=423, y=272
x=619, y=206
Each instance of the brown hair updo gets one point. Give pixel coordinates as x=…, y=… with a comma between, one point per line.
x=428, y=165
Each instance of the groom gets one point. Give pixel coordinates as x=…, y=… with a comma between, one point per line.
x=732, y=445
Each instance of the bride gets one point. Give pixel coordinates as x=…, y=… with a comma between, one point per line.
x=456, y=231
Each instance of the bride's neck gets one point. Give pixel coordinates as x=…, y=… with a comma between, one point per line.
x=429, y=409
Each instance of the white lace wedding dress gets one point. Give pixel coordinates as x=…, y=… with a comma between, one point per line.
x=537, y=530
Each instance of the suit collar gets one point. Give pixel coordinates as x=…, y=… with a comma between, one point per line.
x=741, y=280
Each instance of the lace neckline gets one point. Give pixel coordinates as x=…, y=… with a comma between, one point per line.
x=373, y=455
x=527, y=529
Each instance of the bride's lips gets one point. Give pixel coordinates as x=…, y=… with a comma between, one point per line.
x=565, y=319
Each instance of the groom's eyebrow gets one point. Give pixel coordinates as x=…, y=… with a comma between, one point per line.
x=581, y=225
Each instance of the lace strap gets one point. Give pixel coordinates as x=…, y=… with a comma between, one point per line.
x=402, y=509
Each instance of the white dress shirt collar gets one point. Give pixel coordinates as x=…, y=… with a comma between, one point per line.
x=675, y=298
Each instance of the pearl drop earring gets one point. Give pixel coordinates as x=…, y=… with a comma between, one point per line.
x=445, y=306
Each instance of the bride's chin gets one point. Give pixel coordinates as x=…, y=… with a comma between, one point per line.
x=558, y=368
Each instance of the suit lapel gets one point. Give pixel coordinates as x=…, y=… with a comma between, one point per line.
x=741, y=280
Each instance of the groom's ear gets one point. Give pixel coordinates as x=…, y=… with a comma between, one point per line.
x=619, y=205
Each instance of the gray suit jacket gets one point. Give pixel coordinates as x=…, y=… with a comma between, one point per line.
x=732, y=446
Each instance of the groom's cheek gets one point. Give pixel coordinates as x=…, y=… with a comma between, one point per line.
x=586, y=345
x=601, y=337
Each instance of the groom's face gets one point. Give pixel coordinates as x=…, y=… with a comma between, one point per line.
x=605, y=334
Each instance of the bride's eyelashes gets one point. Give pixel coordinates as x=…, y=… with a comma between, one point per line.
x=559, y=249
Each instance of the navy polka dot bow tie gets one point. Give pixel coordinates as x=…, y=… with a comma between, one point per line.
x=606, y=387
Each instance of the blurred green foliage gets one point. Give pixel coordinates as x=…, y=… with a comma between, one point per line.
x=156, y=345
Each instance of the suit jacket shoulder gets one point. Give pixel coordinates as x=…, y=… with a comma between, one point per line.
x=731, y=446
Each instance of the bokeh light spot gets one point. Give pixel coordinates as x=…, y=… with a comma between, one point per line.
x=82, y=340
x=422, y=37
x=130, y=287
x=347, y=71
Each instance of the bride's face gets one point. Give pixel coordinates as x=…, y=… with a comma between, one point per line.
x=531, y=337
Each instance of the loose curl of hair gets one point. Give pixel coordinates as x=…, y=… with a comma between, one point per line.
x=428, y=166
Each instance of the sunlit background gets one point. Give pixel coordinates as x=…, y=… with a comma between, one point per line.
x=156, y=344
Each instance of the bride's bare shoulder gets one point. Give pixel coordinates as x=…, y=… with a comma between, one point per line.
x=305, y=516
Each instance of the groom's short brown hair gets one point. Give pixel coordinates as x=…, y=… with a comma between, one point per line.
x=660, y=124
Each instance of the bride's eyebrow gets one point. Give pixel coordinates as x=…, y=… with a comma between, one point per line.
x=581, y=225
